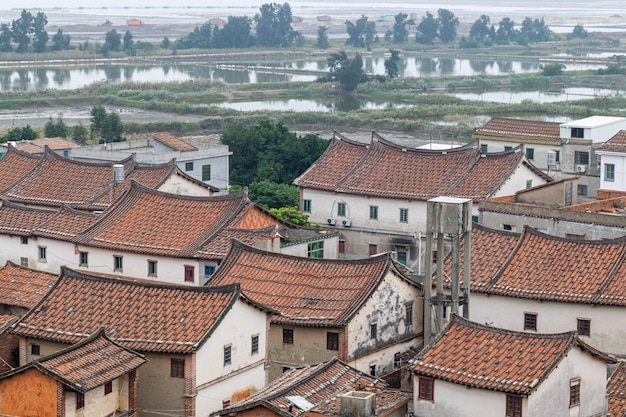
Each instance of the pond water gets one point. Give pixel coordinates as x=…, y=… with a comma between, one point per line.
x=43, y=77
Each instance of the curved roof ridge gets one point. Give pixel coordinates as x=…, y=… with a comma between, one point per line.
x=473, y=145
x=13, y=149
x=52, y=154
x=27, y=268
x=532, y=231
x=339, y=137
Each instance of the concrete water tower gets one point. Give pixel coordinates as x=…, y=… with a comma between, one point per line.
x=446, y=218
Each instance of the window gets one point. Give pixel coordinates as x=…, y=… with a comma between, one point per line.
x=408, y=314
x=227, y=355
x=530, y=321
x=508, y=148
x=118, y=263
x=42, y=253
x=609, y=172
x=404, y=215
x=306, y=206
x=332, y=341
x=24, y=240
x=35, y=350
x=530, y=153
x=373, y=370
x=288, y=336
x=189, y=273
x=582, y=190
x=508, y=227
x=401, y=256
x=426, y=389
x=574, y=392
x=341, y=209
x=152, y=268
x=584, y=327
x=225, y=403
x=513, y=406
x=396, y=360
x=342, y=246
x=529, y=183
x=206, y=172
x=581, y=158
x=177, y=368
x=83, y=259
x=255, y=344
x=557, y=159
x=80, y=400
x=373, y=330
x=373, y=249
x=483, y=148
x=578, y=132
x=189, y=166
x=23, y=261
x=209, y=270
x=475, y=219
x=315, y=250
x=373, y=212
x=108, y=388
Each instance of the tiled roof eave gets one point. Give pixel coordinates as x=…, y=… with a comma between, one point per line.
x=507, y=386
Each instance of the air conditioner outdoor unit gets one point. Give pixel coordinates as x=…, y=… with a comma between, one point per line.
x=346, y=222
x=331, y=221
x=581, y=168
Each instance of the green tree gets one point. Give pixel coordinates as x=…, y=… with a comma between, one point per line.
x=40, y=36
x=112, y=128
x=199, y=38
x=270, y=195
x=128, y=43
x=427, y=30
x=165, y=43
x=480, y=29
x=273, y=25
x=20, y=133
x=5, y=38
x=448, y=24
x=98, y=115
x=80, y=134
x=349, y=72
x=361, y=34
x=322, y=37
x=534, y=31
x=236, y=33
x=400, y=32
x=60, y=41
x=392, y=64
x=292, y=215
x=506, y=31
x=21, y=29
x=112, y=41
x=578, y=32
x=55, y=128
x=551, y=70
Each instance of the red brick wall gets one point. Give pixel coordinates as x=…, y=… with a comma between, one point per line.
x=190, y=385
x=29, y=393
x=8, y=343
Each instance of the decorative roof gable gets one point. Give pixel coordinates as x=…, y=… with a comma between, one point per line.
x=140, y=315
x=616, y=144
x=480, y=356
x=306, y=291
x=522, y=131
x=23, y=287
x=15, y=164
x=319, y=386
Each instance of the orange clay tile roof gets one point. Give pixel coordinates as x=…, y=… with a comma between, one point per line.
x=15, y=164
x=153, y=222
x=173, y=142
x=616, y=390
x=139, y=315
x=23, y=287
x=306, y=291
x=340, y=157
x=38, y=146
x=21, y=221
x=88, y=364
x=489, y=250
x=321, y=385
x=551, y=268
x=391, y=171
x=218, y=247
x=495, y=359
x=66, y=224
x=616, y=144
x=523, y=131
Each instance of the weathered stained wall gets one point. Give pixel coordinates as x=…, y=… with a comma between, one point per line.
x=29, y=393
x=157, y=388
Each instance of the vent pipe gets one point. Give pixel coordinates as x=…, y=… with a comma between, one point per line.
x=118, y=173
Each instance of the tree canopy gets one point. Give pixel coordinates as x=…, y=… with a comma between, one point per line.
x=349, y=72
x=273, y=25
x=448, y=24
x=428, y=29
x=360, y=34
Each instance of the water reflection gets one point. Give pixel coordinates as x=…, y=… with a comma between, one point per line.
x=344, y=103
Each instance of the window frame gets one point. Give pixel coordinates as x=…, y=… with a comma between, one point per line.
x=484, y=147
x=306, y=206
x=80, y=400
x=108, y=388
x=118, y=263
x=513, y=406
x=404, y=215
x=177, y=368
x=152, y=268
x=288, y=336
x=426, y=389
x=189, y=274
x=373, y=330
x=582, y=190
x=24, y=240
x=408, y=314
x=577, y=132
x=583, y=327
x=188, y=166
x=35, y=349
x=574, y=393
x=332, y=341
x=228, y=355
x=581, y=158
x=83, y=259
x=211, y=268
x=206, y=172
x=254, y=344
x=341, y=209
x=373, y=212
x=42, y=254
x=609, y=172
x=315, y=250
x=530, y=154
x=530, y=322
